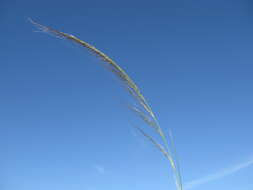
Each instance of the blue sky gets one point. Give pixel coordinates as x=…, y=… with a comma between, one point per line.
x=64, y=119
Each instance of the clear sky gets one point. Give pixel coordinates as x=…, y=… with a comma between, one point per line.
x=64, y=122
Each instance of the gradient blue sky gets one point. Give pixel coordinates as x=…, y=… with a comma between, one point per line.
x=63, y=118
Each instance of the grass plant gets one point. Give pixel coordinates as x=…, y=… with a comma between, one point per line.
x=142, y=108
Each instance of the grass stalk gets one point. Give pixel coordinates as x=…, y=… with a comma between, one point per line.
x=144, y=111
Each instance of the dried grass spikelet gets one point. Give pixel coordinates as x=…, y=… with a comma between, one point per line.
x=144, y=111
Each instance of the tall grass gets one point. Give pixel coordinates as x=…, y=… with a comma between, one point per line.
x=143, y=110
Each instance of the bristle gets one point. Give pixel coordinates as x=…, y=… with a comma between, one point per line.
x=148, y=116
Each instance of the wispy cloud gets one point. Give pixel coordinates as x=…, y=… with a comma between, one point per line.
x=100, y=169
x=141, y=141
x=218, y=175
x=133, y=133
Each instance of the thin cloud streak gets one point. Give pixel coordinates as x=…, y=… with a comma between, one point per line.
x=100, y=169
x=218, y=175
